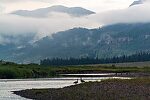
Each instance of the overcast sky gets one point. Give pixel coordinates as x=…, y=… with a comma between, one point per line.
x=95, y=5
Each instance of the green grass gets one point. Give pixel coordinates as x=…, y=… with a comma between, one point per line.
x=24, y=71
x=12, y=71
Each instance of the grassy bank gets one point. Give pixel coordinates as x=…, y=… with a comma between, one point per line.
x=135, y=89
x=12, y=71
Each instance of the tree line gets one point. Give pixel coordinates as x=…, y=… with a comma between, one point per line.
x=137, y=57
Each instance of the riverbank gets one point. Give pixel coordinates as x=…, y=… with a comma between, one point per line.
x=113, y=89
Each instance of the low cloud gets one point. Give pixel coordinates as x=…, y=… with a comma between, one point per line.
x=12, y=25
x=17, y=26
x=134, y=14
x=1, y=9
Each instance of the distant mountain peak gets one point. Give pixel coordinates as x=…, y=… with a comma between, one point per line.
x=137, y=2
x=43, y=12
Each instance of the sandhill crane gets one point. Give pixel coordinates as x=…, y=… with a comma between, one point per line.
x=82, y=81
x=76, y=82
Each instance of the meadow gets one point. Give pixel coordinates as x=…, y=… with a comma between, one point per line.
x=22, y=71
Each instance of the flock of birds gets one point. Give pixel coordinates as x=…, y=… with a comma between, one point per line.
x=77, y=81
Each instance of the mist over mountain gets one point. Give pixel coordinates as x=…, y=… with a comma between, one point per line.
x=21, y=26
x=45, y=12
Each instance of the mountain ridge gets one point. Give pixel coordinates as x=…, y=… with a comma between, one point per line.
x=43, y=12
x=137, y=2
x=108, y=41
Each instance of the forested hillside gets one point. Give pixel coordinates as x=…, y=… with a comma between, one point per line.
x=108, y=41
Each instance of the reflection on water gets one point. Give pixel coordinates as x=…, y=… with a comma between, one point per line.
x=6, y=86
x=102, y=74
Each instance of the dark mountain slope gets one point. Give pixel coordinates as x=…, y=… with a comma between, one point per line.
x=113, y=40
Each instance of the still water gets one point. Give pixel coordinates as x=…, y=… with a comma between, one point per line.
x=6, y=86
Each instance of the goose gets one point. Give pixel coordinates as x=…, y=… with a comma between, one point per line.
x=76, y=82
